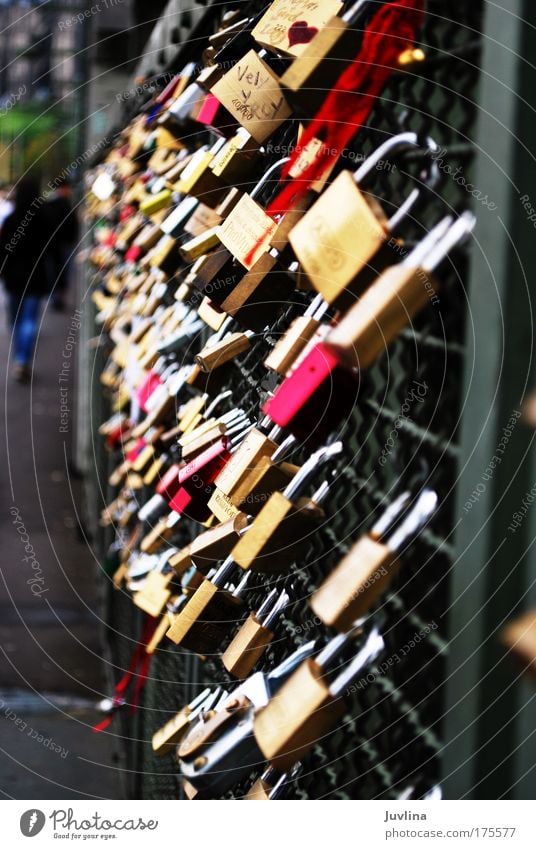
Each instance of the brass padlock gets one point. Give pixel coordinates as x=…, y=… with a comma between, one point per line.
x=156, y=592
x=254, y=476
x=204, y=622
x=286, y=522
x=308, y=705
x=363, y=575
x=247, y=231
x=216, y=543
x=250, y=91
x=254, y=636
x=289, y=27
x=395, y=297
x=213, y=356
x=344, y=238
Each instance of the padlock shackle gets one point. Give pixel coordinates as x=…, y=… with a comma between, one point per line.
x=418, y=516
x=336, y=645
x=456, y=234
x=220, y=576
x=276, y=611
x=266, y=604
x=311, y=467
x=277, y=166
x=396, y=144
x=350, y=15
x=284, y=449
x=373, y=647
x=279, y=675
x=390, y=515
x=217, y=401
x=417, y=256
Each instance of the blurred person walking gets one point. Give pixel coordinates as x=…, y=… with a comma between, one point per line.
x=25, y=269
x=64, y=224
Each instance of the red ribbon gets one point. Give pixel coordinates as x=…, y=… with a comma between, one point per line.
x=140, y=663
x=346, y=108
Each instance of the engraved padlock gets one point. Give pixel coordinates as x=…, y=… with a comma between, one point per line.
x=254, y=636
x=286, y=522
x=345, y=238
x=308, y=706
x=251, y=93
x=364, y=574
x=256, y=470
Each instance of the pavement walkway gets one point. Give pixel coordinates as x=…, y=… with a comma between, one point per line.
x=51, y=672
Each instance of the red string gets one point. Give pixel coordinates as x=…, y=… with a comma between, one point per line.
x=140, y=659
x=346, y=108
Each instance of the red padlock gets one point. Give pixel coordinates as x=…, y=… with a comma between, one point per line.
x=316, y=397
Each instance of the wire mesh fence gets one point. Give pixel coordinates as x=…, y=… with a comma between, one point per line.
x=403, y=430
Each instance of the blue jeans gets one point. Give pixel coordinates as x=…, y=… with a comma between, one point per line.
x=24, y=317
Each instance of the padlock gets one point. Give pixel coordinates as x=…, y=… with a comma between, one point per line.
x=251, y=93
x=250, y=478
x=395, y=297
x=301, y=331
x=214, y=356
x=288, y=28
x=247, y=231
x=325, y=385
x=236, y=159
x=364, y=574
x=285, y=523
x=196, y=479
x=159, y=534
x=260, y=294
x=216, y=543
x=254, y=636
x=202, y=220
x=204, y=622
x=198, y=180
x=308, y=706
x=216, y=754
x=324, y=57
x=344, y=238
x=165, y=740
x=156, y=590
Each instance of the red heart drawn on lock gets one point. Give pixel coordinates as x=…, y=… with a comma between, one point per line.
x=300, y=33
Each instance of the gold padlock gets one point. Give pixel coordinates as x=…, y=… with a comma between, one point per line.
x=286, y=521
x=250, y=91
x=216, y=543
x=254, y=636
x=344, y=239
x=308, y=705
x=155, y=594
x=395, y=297
x=203, y=623
x=363, y=575
x=289, y=27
